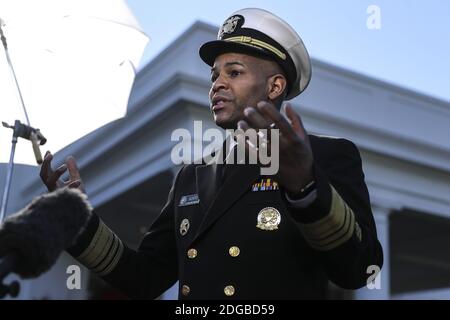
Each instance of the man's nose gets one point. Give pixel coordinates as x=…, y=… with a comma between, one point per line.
x=218, y=84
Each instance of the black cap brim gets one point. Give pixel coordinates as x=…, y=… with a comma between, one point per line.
x=211, y=50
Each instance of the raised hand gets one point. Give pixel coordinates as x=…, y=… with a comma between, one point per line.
x=51, y=178
x=295, y=155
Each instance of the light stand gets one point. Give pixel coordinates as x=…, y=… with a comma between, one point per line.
x=26, y=132
x=20, y=130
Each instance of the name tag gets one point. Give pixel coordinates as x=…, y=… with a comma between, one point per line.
x=189, y=200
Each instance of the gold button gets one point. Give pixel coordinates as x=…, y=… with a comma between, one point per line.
x=192, y=253
x=229, y=291
x=185, y=290
x=234, y=251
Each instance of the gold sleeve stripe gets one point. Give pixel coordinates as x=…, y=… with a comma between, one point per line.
x=257, y=43
x=104, y=242
x=114, y=262
x=103, y=252
x=338, y=238
x=332, y=230
x=100, y=237
x=107, y=256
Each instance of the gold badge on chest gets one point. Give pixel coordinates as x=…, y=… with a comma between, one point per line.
x=268, y=219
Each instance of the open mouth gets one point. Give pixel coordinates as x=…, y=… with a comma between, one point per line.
x=218, y=103
x=219, y=106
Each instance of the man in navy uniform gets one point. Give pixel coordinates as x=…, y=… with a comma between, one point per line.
x=228, y=232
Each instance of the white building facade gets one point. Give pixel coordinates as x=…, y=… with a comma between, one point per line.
x=403, y=137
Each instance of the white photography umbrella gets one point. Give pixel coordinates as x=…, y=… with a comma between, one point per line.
x=75, y=65
x=66, y=67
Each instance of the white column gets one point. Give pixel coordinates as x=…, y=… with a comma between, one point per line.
x=381, y=292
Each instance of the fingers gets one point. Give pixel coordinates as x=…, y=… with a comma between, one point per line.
x=75, y=180
x=270, y=112
x=243, y=125
x=250, y=146
x=255, y=119
x=46, y=168
x=74, y=173
x=48, y=176
x=240, y=133
x=296, y=121
x=73, y=184
x=52, y=180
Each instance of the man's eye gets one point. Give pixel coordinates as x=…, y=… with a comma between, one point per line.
x=213, y=77
x=234, y=73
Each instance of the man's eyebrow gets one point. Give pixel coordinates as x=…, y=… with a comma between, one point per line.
x=213, y=69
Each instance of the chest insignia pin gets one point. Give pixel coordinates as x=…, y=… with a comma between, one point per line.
x=268, y=219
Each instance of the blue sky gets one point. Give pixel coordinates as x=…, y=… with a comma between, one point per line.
x=411, y=49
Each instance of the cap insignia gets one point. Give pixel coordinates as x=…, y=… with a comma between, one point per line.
x=230, y=25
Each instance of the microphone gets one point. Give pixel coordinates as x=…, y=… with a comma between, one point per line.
x=32, y=239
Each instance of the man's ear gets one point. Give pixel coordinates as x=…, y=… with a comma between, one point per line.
x=276, y=86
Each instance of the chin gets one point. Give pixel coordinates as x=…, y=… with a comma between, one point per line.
x=224, y=122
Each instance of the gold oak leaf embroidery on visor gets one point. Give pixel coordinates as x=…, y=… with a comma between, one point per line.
x=257, y=43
